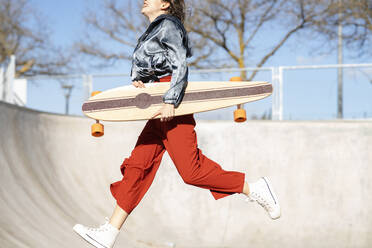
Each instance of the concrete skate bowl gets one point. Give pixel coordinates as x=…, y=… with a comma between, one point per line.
x=54, y=174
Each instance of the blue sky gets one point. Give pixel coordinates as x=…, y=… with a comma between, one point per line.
x=308, y=94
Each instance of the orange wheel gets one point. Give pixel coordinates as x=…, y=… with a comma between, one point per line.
x=97, y=130
x=95, y=93
x=236, y=79
x=240, y=115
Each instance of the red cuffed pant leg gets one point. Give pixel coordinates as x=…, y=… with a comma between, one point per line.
x=178, y=137
x=140, y=168
x=194, y=167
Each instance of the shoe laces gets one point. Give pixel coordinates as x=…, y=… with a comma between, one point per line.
x=255, y=197
x=102, y=228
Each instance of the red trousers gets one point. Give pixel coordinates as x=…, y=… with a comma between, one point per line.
x=178, y=137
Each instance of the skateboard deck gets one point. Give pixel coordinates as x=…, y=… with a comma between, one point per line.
x=129, y=103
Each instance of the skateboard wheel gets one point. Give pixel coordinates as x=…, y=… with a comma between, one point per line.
x=236, y=79
x=95, y=93
x=97, y=130
x=240, y=115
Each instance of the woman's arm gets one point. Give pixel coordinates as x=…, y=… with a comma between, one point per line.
x=171, y=38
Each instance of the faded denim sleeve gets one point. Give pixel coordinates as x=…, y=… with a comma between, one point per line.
x=171, y=38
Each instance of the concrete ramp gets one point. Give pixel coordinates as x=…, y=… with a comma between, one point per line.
x=53, y=174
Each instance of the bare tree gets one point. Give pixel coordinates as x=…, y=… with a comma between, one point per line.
x=23, y=33
x=356, y=18
x=236, y=27
x=349, y=21
x=231, y=30
x=118, y=26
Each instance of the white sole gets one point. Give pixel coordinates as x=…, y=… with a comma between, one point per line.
x=89, y=239
x=267, y=181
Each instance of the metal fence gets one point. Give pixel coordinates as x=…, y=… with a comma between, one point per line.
x=300, y=92
x=311, y=92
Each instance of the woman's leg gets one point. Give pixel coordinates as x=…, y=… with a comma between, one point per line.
x=138, y=172
x=246, y=188
x=118, y=217
x=198, y=170
x=194, y=167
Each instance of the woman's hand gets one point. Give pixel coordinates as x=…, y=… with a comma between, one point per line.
x=138, y=84
x=166, y=112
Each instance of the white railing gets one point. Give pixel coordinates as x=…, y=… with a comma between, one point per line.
x=275, y=75
x=12, y=90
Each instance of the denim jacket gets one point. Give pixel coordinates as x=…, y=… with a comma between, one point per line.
x=162, y=51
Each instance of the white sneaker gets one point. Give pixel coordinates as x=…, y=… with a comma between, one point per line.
x=102, y=237
x=262, y=192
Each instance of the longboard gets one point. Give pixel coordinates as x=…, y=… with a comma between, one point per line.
x=128, y=103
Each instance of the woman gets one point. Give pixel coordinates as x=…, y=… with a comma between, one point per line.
x=161, y=56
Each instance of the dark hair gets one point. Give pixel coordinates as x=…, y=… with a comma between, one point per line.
x=176, y=8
